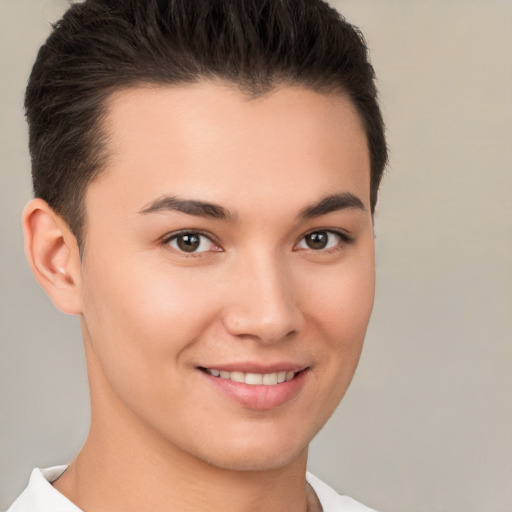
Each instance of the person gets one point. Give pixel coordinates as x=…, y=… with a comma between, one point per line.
x=205, y=178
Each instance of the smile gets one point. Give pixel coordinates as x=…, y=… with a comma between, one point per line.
x=254, y=379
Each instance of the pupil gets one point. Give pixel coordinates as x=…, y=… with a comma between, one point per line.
x=188, y=243
x=317, y=240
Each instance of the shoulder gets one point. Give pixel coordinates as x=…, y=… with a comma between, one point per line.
x=41, y=496
x=332, y=501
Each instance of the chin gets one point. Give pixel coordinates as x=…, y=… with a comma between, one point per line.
x=255, y=456
x=253, y=462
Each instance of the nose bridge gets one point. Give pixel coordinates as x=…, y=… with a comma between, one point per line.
x=264, y=303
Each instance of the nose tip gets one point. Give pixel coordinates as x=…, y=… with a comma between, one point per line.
x=267, y=328
x=265, y=308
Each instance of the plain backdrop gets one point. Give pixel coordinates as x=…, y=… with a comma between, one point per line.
x=427, y=423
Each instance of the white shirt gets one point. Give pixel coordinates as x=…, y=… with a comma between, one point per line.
x=41, y=496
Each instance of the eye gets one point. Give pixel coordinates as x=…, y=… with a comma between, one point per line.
x=320, y=240
x=191, y=242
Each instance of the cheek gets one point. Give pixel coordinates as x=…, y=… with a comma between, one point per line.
x=341, y=305
x=139, y=327
x=343, y=299
x=140, y=316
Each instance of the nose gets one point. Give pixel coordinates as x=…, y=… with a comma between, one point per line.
x=262, y=301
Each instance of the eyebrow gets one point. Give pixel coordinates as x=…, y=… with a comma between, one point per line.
x=328, y=204
x=190, y=207
x=332, y=203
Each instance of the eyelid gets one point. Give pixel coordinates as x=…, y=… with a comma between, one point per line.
x=166, y=239
x=345, y=238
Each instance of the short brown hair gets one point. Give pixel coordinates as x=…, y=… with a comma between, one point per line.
x=101, y=46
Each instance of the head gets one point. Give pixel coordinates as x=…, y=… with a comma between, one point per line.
x=218, y=163
x=102, y=46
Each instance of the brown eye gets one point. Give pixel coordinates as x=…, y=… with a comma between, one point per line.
x=188, y=243
x=319, y=240
x=191, y=242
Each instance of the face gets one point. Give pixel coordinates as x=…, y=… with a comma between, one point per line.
x=228, y=272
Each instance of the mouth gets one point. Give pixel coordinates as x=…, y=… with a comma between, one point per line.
x=253, y=379
x=258, y=387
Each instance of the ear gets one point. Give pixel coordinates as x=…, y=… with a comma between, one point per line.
x=53, y=255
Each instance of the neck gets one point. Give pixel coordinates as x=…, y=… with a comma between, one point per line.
x=127, y=466
x=119, y=474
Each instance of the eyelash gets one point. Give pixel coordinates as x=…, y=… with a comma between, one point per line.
x=191, y=232
x=343, y=236
x=344, y=239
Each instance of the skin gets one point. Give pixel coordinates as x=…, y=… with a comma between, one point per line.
x=255, y=293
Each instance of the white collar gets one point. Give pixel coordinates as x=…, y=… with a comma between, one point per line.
x=41, y=496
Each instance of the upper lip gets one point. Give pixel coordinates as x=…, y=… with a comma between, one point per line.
x=252, y=367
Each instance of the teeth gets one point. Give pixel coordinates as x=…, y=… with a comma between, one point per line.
x=267, y=379
x=253, y=378
x=237, y=376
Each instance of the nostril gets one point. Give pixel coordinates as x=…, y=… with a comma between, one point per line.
x=266, y=326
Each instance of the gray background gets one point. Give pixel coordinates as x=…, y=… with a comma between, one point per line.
x=427, y=423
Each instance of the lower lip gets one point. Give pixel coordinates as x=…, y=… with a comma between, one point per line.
x=259, y=397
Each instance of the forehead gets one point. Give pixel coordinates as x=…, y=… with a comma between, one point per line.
x=215, y=142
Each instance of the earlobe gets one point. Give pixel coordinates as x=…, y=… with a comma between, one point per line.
x=53, y=255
